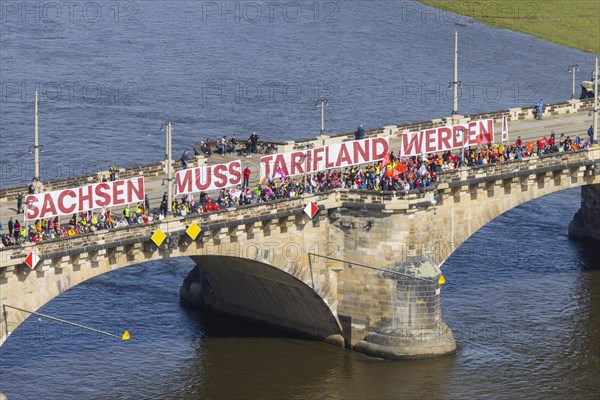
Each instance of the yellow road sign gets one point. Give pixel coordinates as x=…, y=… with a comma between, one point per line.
x=158, y=237
x=193, y=230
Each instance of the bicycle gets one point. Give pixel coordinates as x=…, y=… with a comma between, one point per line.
x=306, y=146
x=267, y=148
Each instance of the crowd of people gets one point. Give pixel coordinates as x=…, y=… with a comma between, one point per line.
x=224, y=146
x=85, y=222
x=393, y=173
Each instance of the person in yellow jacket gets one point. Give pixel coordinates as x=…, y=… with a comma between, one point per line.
x=126, y=213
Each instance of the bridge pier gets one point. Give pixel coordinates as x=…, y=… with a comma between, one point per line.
x=415, y=328
x=586, y=222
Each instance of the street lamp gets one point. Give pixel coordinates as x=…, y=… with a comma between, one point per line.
x=322, y=103
x=168, y=128
x=36, y=148
x=595, y=108
x=455, y=84
x=574, y=68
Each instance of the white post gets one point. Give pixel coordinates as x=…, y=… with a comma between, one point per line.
x=595, y=126
x=36, y=147
x=169, y=129
x=573, y=87
x=323, y=104
x=462, y=148
x=322, y=117
x=455, y=83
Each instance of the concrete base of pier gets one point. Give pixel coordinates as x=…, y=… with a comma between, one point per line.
x=409, y=343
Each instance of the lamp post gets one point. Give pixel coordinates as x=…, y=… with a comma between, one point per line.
x=595, y=124
x=322, y=103
x=168, y=128
x=455, y=83
x=574, y=68
x=35, y=149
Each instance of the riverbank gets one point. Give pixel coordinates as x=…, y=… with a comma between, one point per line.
x=571, y=23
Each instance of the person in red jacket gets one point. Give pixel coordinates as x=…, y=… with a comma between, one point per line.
x=246, y=176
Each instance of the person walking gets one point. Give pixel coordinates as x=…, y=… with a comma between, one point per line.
x=224, y=145
x=184, y=158
x=163, y=207
x=19, y=203
x=234, y=142
x=254, y=140
x=247, y=173
x=248, y=146
x=360, y=132
x=112, y=170
x=17, y=230
x=208, y=147
x=540, y=108
x=11, y=226
x=126, y=214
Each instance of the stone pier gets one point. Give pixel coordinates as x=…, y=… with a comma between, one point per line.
x=586, y=222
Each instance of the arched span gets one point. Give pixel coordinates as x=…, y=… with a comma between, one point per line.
x=473, y=216
x=259, y=292
x=242, y=287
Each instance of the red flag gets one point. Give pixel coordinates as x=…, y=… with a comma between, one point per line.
x=401, y=167
x=386, y=160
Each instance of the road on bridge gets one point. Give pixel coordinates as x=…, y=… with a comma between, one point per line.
x=569, y=124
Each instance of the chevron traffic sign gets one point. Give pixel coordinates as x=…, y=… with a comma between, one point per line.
x=32, y=260
x=311, y=209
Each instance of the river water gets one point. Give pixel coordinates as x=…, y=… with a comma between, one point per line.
x=522, y=299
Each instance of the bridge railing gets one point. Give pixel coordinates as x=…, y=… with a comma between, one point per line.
x=213, y=221
x=525, y=164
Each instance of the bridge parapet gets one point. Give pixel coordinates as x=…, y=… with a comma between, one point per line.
x=523, y=167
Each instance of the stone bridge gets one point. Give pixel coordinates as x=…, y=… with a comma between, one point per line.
x=262, y=262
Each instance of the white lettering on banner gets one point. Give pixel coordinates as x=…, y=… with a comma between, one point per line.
x=338, y=155
x=208, y=177
x=447, y=138
x=85, y=198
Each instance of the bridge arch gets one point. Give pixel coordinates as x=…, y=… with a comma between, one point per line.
x=274, y=281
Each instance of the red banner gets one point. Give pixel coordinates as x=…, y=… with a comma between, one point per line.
x=446, y=138
x=84, y=198
x=208, y=177
x=338, y=155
